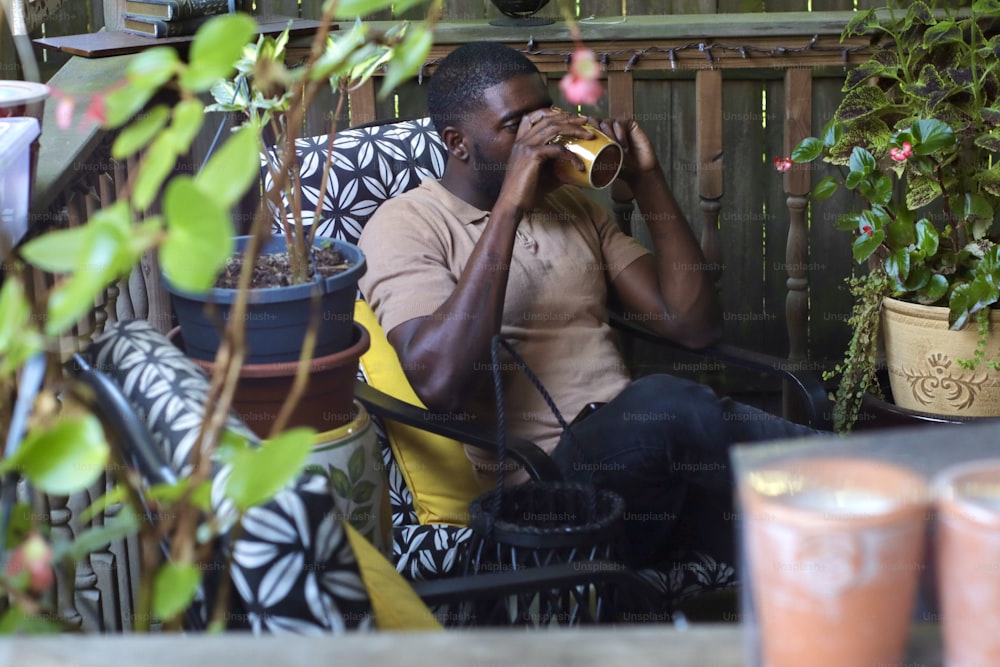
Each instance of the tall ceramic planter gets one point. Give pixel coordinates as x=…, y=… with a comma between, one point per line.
x=351, y=458
x=922, y=356
x=276, y=317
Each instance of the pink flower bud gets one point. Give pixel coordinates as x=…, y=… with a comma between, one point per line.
x=582, y=85
x=782, y=164
x=33, y=556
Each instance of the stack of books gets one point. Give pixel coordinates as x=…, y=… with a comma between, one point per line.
x=171, y=18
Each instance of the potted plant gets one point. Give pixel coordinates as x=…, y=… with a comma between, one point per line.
x=58, y=444
x=915, y=138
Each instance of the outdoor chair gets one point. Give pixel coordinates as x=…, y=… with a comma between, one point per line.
x=431, y=480
x=298, y=565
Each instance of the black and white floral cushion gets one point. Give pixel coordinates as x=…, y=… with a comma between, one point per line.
x=371, y=164
x=374, y=163
x=293, y=568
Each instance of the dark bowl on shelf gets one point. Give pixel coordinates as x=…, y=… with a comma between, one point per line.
x=519, y=12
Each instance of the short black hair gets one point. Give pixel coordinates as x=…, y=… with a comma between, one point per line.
x=457, y=85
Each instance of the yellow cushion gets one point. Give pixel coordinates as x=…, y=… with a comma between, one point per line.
x=436, y=469
x=395, y=605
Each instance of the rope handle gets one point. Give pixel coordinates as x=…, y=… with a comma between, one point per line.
x=495, y=345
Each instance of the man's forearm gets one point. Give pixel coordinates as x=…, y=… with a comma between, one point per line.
x=685, y=282
x=444, y=352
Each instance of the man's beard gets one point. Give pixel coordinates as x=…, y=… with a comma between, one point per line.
x=489, y=174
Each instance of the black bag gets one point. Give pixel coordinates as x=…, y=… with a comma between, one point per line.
x=545, y=523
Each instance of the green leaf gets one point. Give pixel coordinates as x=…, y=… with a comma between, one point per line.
x=189, y=115
x=865, y=246
x=99, y=263
x=19, y=338
x=64, y=458
x=832, y=133
x=916, y=279
x=116, y=495
x=978, y=213
x=897, y=265
x=899, y=234
x=989, y=141
x=862, y=161
x=123, y=103
x=356, y=465
x=117, y=527
x=157, y=165
x=174, y=589
x=848, y=222
x=927, y=237
x=229, y=173
x=363, y=492
x=853, y=179
x=878, y=191
x=825, y=188
x=199, y=236
x=57, y=251
x=153, y=67
x=942, y=33
x=808, y=150
x=861, y=23
x=931, y=135
x=407, y=59
x=341, y=484
x=259, y=473
x=860, y=102
x=140, y=132
x=921, y=191
x=217, y=46
x=17, y=621
x=935, y=288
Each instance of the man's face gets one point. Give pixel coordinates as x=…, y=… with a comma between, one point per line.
x=491, y=134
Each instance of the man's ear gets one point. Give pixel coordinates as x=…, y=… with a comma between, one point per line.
x=454, y=141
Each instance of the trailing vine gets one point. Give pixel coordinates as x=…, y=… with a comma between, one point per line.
x=857, y=372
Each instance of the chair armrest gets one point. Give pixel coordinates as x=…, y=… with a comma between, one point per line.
x=135, y=442
x=814, y=398
x=526, y=453
x=641, y=597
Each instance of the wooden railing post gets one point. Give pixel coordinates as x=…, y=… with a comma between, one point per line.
x=708, y=93
x=798, y=125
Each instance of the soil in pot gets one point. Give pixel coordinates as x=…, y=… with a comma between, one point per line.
x=274, y=270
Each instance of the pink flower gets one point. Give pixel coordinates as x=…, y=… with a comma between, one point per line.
x=33, y=560
x=900, y=154
x=95, y=112
x=582, y=85
x=782, y=164
x=64, y=112
x=867, y=230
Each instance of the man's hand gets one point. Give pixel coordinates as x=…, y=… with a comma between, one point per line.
x=533, y=149
x=639, y=157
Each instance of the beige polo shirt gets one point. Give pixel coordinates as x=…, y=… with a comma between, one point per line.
x=565, y=254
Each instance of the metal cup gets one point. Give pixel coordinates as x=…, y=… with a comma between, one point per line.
x=602, y=156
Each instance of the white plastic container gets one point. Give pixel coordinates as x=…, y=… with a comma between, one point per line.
x=16, y=135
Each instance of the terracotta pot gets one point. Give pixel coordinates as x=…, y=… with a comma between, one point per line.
x=922, y=356
x=968, y=562
x=327, y=402
x=834, y=548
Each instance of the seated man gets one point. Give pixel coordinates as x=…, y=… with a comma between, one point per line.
x=499, y=245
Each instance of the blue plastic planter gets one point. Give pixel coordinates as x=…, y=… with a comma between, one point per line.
x=277, y=317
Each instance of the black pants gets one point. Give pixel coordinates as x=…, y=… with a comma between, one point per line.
x=662, y=444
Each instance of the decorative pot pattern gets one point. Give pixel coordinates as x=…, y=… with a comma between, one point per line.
x=923, y=355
